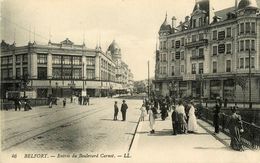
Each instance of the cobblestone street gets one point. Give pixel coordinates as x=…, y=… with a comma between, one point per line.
x=74, y=128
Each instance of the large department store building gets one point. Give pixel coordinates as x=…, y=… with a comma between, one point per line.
x=210, y=52
x=63, y=69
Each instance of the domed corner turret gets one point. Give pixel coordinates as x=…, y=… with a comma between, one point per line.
x=113, y=48
x=247, y=4
x=165, y=28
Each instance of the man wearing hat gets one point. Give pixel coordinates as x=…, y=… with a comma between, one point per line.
x=124, y=107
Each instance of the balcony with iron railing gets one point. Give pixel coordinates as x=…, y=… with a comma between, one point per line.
x=197, y=57
x=198, y=43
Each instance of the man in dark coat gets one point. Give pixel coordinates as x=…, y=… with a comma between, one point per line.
x=124, y=107
x=216, y=116
x=174, y=122
x=115, y=111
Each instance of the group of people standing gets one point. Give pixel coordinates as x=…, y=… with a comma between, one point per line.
x=18, y=105
x=123, y=110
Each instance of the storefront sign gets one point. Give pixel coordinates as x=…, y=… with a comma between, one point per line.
x=189, y=77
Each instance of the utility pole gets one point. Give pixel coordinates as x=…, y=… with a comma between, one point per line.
x=148, y=79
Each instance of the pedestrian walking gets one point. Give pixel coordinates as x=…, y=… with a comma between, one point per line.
x=143, y=110
x=115, y=111
x=64, y=102
x=216, y=116
x=192, y=123
x=124, y=107
x=17, y=104
x=235, y=128
x=182, y=124
x=174, y=121
x=88, y=99
x=151, y=119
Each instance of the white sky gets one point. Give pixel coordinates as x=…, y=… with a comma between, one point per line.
x=134, y=24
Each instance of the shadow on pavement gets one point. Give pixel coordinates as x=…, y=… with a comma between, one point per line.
x=143, y=132
x=108, y=120
x=213, y=148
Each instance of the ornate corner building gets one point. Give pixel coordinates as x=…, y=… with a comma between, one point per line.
x=63, y=69
x=211, y=53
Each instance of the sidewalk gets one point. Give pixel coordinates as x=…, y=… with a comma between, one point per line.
x=201, y=147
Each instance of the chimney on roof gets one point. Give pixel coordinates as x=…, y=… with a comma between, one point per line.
x=187, y=18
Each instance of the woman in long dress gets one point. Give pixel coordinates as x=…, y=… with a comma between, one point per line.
x=151, y=119
x=192, y=123
x=235, y=128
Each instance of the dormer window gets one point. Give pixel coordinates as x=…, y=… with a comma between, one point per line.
x=194, y=23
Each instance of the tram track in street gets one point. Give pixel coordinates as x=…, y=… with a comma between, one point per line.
x=39, y=130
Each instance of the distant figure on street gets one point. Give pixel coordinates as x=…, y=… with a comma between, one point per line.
x=192, y=123
x=124, y=107
x=143, y=110
x=151, y=119
x=235, y=128
x=27, y=106
x=225, y=103
x=88, y=99
x=64, y=102
x=115, y=111
x=174, y=121
x=182, y=124
x=17, y=104
x=216, y=116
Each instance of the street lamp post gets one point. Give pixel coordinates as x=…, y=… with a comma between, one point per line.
x=250, y=74
x=201, y=84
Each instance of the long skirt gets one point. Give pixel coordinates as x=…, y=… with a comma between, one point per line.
x=235, y=143
x=192, y=124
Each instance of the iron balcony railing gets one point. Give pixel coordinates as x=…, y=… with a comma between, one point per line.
x=197, y=43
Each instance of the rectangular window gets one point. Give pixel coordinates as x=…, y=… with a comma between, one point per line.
x=193, y=53
x=10, y=60
x=214, y=35
x=4, y=60
x=42, y=72
x=4, y=74
x=193, y=38
x=173, y=42
x=242, y=45
x=25, y=58
x=201, y=52
x=253, y=28
x=56, y=59
x=172, y=70
x=247, y=27
x=253, y=45
x=221, y=35
x=201, y=36
x=182, y=68
x=177, y=44
x=242, y=28
x=177, y=55
x=215, y=50
x=25, y=71
x=90, y=61
x=228, y=66
x=66, y=60
x=214, y=65
x=18, y=59
x=200, y=22
x=182, y=55
x=182, y=41
x=247, y=44
x=200, y=68
x=164, y=57
x=193, y=68
x=247, y=63
x=221, y=48
x=67, y=73
x=18, y=73
x=252, y=62
x=90, y=74
x=76, y=74
x=42, y=59
x=76, y=60
x=228, y=32
x=173, y=55
x=241, y=60
x=56, y=73
x=228, y=48
x=164, y=70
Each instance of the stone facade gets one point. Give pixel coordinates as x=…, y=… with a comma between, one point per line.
x=207, y=55
x=61, y=69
